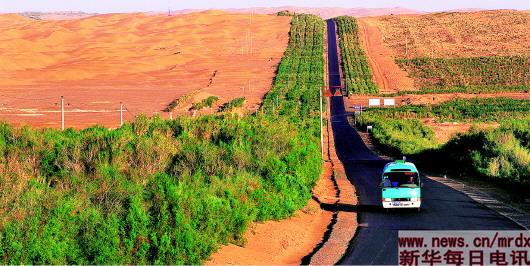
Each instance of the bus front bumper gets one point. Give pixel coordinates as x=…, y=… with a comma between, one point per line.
x=401, y=204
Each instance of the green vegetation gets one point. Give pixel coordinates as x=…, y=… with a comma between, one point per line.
x=163, y=191
x=474, y=110
x=463, y=89
x=502, y=155
x=473, y=74
x=208, y=102
x=285, y=13
x=234, y=103
x=300, y=76
x=499, y=155
x=354, y=63
x=398, y=136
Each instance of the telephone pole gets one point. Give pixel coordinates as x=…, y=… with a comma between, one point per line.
x=250, y=32
x=121, y=114
x=62, y=113
x=406, y=45
x=321, y=126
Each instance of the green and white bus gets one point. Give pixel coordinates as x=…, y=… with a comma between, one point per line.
x=401, y=185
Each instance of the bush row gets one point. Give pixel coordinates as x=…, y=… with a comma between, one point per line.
x=354, y=63
x=474, y=110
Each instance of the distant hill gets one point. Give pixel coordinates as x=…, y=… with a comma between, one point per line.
x=457, y=34
x=324, y=12
x=63, y=15
x=330, y=12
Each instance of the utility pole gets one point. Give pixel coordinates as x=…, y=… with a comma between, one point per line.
x=62, y=113
x=121, y=114
x=406, y=45
x=321, y=130
x=250, y=32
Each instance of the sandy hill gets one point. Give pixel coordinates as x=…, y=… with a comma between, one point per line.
x=324, y=12
x=456, y=34
x=57, y=15
x=146, y=61
x=330, y=12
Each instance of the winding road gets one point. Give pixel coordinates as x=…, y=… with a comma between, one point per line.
x=443, y=208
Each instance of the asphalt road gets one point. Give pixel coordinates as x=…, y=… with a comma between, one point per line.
x=443, y=208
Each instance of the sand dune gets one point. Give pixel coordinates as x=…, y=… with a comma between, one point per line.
x=145, y=61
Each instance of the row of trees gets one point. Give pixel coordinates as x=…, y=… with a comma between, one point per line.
x=355, y=66
x=164, y=191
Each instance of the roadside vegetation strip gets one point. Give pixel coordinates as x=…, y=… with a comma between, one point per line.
x=500, y=155
x=461, y=110
x=300, y=76
x=164, y=191
x=463, y=89
x=357, y=73
x=487, y=73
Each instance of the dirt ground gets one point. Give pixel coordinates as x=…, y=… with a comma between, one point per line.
x=456, y=34
x=446, y=130
x=144, y=61
x=387, y=74
x=286, y=241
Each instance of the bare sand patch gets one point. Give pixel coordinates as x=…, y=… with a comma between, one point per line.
x=144, y=61
x=387, y=74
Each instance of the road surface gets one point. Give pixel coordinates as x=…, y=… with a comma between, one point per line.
x=443, y=208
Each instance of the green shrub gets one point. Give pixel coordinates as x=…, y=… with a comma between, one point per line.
x=355, y=66
x=399, y=136
x=163, y=191
x=208, y=102
x=234, y=103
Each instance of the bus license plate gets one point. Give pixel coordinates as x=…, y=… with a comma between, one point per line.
x=396, y=203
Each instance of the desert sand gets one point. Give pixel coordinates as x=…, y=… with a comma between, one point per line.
x=457, y=34
x=387, y=74
x=446, y=34
x=144, y=61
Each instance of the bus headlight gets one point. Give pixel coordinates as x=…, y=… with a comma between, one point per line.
x=387, y=199
x=415, y=199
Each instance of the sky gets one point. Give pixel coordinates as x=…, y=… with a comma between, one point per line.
x=109, y=6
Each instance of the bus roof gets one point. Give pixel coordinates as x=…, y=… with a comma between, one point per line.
x=400, y=166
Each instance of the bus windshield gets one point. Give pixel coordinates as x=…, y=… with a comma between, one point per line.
x=400, y=179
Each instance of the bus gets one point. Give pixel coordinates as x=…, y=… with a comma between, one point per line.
x=401, y=186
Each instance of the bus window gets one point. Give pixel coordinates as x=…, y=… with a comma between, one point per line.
x=401, y=179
